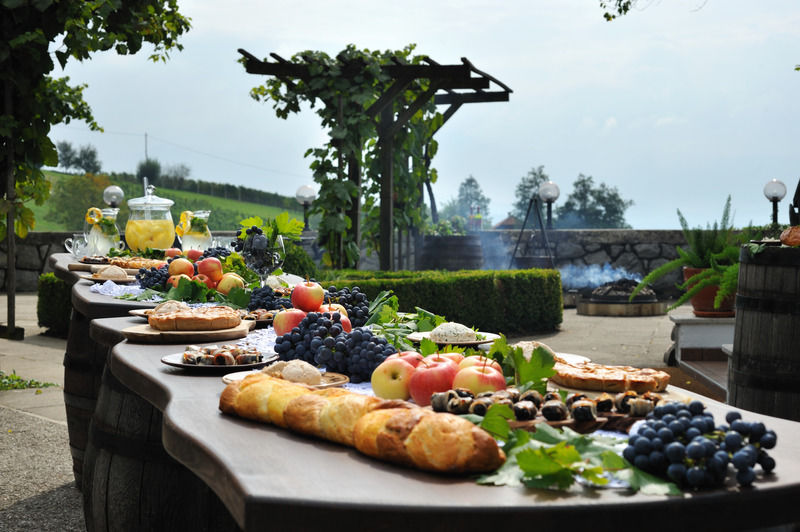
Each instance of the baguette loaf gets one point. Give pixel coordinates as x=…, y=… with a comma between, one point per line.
x=393, y=431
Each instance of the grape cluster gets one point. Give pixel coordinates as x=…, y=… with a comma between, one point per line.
x=354, y=302
x=266, y=298
x=245, y=245
x=682, y=443
x=219, y=252
x=155, y=278
x=320, y=340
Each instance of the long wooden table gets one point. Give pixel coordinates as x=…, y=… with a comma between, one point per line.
x=268, y=477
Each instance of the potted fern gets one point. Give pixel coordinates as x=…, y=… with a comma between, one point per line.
x=710, y=266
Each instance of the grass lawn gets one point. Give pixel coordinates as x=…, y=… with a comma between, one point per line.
x=222, y=204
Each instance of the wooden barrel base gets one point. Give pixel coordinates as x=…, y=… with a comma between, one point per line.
x=452, y=253
x=131, y=482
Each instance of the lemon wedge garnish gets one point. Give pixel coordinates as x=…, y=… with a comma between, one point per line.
x=179, y=230
x=93, y=215
x=185, y=217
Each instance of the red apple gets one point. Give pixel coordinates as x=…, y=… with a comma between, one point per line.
x=307, y=296
x=412, y=357
x=431, y=376
x=333, y=307
x=212, y=267
x=390, y=379
x=173, y=280
x=228, y=282
x=480, y=361
x=203, y=278
x=286, y=320
x=172, y=252
x=439, y=357
x=346, y=325
x=193, y=254
x=455, y=357
x=181, y=266
x=479, y=379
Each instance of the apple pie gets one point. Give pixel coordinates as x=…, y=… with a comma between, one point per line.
x=602, y=378
x=195, y=319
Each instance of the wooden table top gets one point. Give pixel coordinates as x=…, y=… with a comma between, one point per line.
x=267, y=476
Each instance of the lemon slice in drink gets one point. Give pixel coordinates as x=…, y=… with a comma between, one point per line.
x=93, y=215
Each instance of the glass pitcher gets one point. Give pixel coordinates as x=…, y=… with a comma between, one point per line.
x=193, y=230
x=150, y=222
x=76, y=245
x=101, y=231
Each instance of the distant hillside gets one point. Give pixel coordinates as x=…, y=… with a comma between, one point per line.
x=225, y=213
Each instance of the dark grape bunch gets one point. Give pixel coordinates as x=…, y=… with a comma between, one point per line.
x=266, y=298
x=320, y=340
x=354, y=302
x=153, y=278
x=682, y=443
x=218, y=252
x=247, y=244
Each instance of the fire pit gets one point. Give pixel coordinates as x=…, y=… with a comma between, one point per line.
x=612, y=299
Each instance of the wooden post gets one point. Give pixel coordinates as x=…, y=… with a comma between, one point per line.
x=387, y=189
x=11, y=331
x=354, y=213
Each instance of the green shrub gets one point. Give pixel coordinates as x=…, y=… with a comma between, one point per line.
x=508, y=301
x=298, y=262
x=54, y=306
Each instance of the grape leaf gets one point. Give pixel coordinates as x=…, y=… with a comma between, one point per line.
x=236, y=298
x=646, y=483
x=495, y=422
x=188, y=290
x=428, y=347
x=529, y=373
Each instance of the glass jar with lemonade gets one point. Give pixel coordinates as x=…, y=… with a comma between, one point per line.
x=192, y=230
x=150, y=222
x=101, y=232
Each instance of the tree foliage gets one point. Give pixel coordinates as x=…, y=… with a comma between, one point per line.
x=73, y=195
x=149, y=168
x=35, y=32
x=526, y=189
x=87, y=159
x=341, y=101
x=590, y=206
x=67, y=156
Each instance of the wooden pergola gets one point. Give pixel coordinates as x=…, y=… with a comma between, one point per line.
x=451, y=85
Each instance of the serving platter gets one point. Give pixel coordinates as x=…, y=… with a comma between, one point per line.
x=417, y=337
x=144, y=334
x=329, y=379
x=91, y=277
x=176, y=360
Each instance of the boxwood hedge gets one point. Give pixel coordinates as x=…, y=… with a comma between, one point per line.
x=507, y=301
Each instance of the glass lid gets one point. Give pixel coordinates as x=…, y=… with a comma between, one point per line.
x=150, y=200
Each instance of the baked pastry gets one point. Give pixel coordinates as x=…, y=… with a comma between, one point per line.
x=113, y=273
x=791, y=236
x=393, y=431
x=134, y=263
x=168, y=306
x=294, y=371
x=195, y=319
x=591, y=376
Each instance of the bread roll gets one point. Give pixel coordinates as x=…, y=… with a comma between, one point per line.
x=393, y=431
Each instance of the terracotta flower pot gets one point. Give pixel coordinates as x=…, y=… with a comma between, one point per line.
x=703, y=301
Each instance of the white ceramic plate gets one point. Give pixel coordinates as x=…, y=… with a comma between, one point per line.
x=573, y=359
x=176, y=360
x=488, y=338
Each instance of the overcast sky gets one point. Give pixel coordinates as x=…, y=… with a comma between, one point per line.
x=676, y=104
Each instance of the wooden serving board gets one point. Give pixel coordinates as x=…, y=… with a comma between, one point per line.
x=144, y=334
x=94, y=268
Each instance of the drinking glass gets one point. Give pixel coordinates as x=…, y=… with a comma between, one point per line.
x=262, y=258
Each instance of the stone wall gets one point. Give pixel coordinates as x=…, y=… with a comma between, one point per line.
x=636, y=251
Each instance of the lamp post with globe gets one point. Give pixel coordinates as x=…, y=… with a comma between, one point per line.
x=305, y=196
x=548, y=193
x=774, y=191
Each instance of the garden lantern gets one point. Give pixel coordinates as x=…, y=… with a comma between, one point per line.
x=548, y=193
x=113, y=196
x=774, y=191
x=305, y=196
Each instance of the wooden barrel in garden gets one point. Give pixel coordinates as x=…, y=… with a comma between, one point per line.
x=764, y=371
x=84, y=362
x=130, y=482
x=452, y=252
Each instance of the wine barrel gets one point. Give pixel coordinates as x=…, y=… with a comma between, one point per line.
x=84, y=361
x=764, y=371
x=130, y=482
x=452, y=252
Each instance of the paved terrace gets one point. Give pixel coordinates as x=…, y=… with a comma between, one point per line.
x=38, y=492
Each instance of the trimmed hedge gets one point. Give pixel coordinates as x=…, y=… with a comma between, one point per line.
x=54, y=306
x=506, y=301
